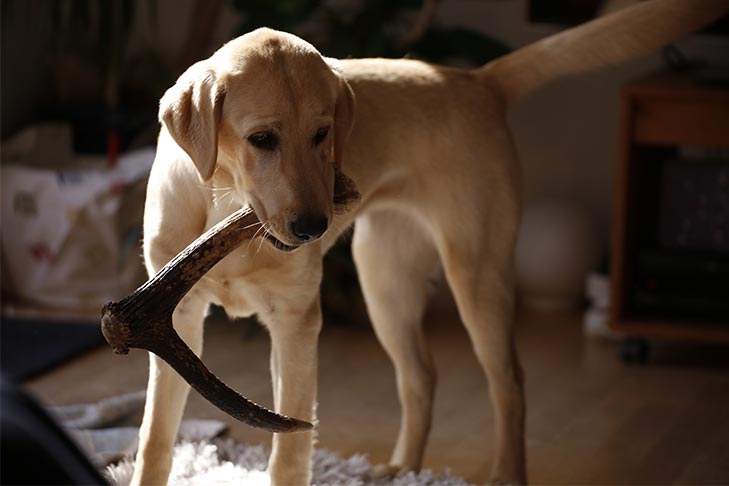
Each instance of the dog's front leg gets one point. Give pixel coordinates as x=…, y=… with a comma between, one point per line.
x=166, y=397
x=294, y=335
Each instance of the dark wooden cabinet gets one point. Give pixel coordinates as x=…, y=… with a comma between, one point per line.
x=662, y=117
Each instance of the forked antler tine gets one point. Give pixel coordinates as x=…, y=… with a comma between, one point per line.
x=144, y=320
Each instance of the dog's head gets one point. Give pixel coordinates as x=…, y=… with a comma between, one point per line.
x=267, y=117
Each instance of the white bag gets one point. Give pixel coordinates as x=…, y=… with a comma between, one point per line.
x=71, y=237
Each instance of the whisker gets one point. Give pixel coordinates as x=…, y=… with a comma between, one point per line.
x=250, y=242
x=263, y=239
x=227, y=188
x=218, y=198
x=260, y=227
x=252, y=225
x=343, y=232
x=260, y=243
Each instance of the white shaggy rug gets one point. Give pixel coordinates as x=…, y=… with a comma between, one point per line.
x=222, y=462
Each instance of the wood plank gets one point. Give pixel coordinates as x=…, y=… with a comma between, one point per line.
x=681, y=122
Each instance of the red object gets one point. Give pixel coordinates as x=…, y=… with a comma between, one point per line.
x=112, y=147
x=41, y=252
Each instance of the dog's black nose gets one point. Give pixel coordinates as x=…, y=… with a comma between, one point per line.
x=309, y=228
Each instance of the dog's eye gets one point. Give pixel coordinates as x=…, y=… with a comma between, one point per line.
x=264, y=140
x=321, y=134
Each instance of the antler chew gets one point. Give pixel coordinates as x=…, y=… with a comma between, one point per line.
x=144, y=320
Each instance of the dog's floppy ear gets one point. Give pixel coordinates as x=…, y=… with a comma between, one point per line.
x=191, y=111
x=346, y=194
x=343, y=119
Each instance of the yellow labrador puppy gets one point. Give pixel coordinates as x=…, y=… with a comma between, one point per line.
x=265, y=122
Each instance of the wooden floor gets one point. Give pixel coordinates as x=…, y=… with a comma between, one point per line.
x=591, y=419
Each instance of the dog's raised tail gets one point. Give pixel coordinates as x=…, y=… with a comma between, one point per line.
x=623, y=35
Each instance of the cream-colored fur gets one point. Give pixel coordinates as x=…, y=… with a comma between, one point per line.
x=433, y=158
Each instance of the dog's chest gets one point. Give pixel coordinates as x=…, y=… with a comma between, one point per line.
x=238, y=296
x=238, y=283
x=265, y=281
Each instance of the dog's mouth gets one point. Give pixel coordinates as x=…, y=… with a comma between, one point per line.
x=280, y=245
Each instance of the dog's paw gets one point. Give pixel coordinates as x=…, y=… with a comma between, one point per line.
x=382, y=471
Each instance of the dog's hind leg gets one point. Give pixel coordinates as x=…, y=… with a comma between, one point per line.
x=478, y=264
x=166, y=397
x=395, y=261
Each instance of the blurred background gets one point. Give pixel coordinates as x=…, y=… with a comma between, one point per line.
x=625, y=233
